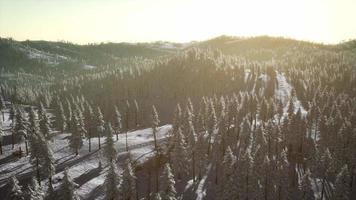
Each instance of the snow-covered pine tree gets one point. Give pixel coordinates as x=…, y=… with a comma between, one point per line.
x=1, y=137
x=112, y=182
x=342, y=185
x=109, y=149
x=35, y=191
x=156, y=196
x=200, y=155
x=246, y=176
x=46, y=158
x=177, y=118
x=127, y=123
x=136, y=113
x=282, y=174
x=15, y=192
x=2, y=107
x=99, y=124
x=168, y=190
x=212, y=124
x=68, y=188
x=20, y=129
x=61, y=118
x=44, y=122
x=245, y=135
x=227, y=189
x=179, y=156
x=76, y=137
x=117, y=123
x=128, y=185
x=307, y=192
x=90, y=125
x=12, y=113
x=154, y=125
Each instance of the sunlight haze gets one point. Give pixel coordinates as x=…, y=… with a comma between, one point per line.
x=92, y=21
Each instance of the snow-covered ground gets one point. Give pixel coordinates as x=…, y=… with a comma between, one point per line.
x=84, y=168
x=283, y=93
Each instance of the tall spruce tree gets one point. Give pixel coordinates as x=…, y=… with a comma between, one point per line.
x=168, y=190
x=112, y=182
x=15, y=192
x=68, y=188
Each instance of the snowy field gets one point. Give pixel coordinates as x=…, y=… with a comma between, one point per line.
x=84, y=168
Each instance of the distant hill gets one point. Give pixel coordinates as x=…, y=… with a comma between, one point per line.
x=28, y=54
x=39, y=54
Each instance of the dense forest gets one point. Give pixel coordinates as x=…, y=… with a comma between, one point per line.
x=229, y=118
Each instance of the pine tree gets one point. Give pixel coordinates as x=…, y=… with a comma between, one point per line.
x=179, y=156
x=15, y=190
x=154, y=124
x=35, y=148
x=112, y=182
x=306, y=187
x=117, y=123
x=168, y=191
x=20, y=129
x=61, y=118
x=12, y=112
x=90, y=125
x=76, y=138
x=136, y=113
x=50, y=193
x=128, y=185
x=109, y=149
x=212, y=125
x=46, y=158
x=35, y=191
x=1, y=137
x=342, y=185
x=156, y=196
x=44, y=122
x=127, y=123
x=200, y=155
x=226, y=188
x=68, y=188
x=99, y=124
x=2, y=107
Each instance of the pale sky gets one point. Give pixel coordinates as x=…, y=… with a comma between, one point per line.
x=92, y=21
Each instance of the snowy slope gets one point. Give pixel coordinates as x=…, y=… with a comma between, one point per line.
x=84, y=168
x=283, y=93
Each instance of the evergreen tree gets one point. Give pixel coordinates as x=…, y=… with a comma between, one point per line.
x=2, y=107
x=1, y=137
x=61, y=118
x=342, y=185
x=35, y=191
x=109, y=149
x=136, y=113
x=99, y=124
x=76, y=138
x=68, y=188
x=15, y=190
x=306, y=187
x=44, y=122
x=112, y=182
x=168, y=190
x=154, y=124
x=20, y=129
x=179, y=156
x=117, y=123
x=128, y=185
x=90, y=124
x=12, y=112
x=226, y=188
